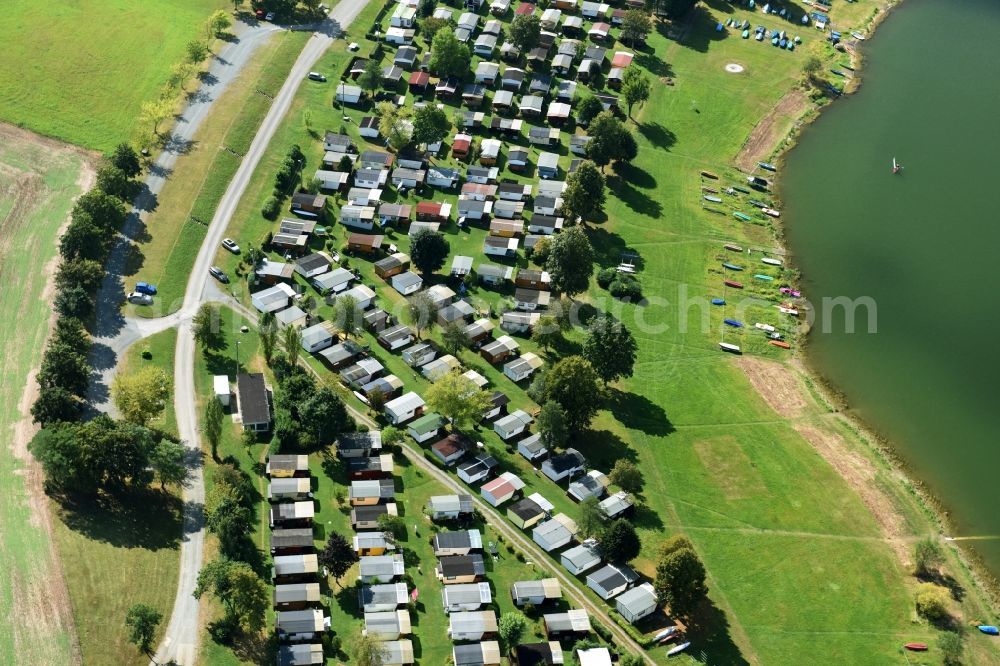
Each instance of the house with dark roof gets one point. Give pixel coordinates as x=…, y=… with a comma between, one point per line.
x=539, y=654
x=455, y=569
x=452, y=448
x=566, y=464
x=530, y=511
x=477, y=468
x=485, y=653
x=611, y=580
x=457, y=542
x=254, y=402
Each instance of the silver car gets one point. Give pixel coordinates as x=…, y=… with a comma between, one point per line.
x=138, y=298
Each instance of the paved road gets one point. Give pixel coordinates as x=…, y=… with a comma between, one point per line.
x=113, y=332
x=182, y=635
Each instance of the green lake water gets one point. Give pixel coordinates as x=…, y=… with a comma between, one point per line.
x=924, y=245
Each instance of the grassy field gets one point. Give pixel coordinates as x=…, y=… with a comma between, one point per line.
x=38, y=181
x=187, y=203
x=112, y=54
x=798, y=564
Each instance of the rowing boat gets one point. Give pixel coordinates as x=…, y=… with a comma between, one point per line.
x=733, y=284
x=742, y=216
x=665, y=634
x=709, y=190
x=788, y=311
x=765, y=278
x=916, y=647
x=790, y=292
x=764, y=327
x=683, y=646
x=718, y=301
x=732, y=349
x=779, y=344
x=709, y=197
x=767, y=165
x=735, y=323
x=732, y=267
x=771, y=212
x=709, y=174
x=732, y=247
x=771, y=262
x=989, y=629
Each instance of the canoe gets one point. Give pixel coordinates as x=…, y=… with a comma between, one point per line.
x=733, y=284
x=718, y=301
x=858, y=36
x=916, y=647
x=665, y=634
x=742, y=216
x=765, y=278
x=683, y=646
x=771, y=262
x=732, y=267
x=741, y=189
x=771, y=212
x=764, y=327
x=713, y=210
x=790, y=292
x=709, y=174
x=989, y=629
x=732, y=349
x=734, y=248
x=767, y=165
x=779, y=344
x=758, y=204
x=789, y=311
x=709, y=190
x=733, y=322
x=709, y=197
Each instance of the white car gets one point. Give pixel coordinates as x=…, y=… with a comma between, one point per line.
x=269, y=17
x=139, y=298
x=231, y=245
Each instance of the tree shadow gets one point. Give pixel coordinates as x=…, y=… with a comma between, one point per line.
x=602, y=448
x=636, y=200
x=259, y=648
x=658, y=135
x=634, y=175
x=946, y=581
x=150, y=519
x=609, y=248
x=646, y=518
x=207, y=78
x=654, y=64
x=701, y=30
x=638, y=412
x=709, y=629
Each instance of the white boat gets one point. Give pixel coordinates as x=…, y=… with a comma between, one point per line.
x=771, y=212
x=771, y=262
x=764, y=327
x=678, y=649
x=669, y=632
x=858, y=36
x=727, y=347
x=789, y=311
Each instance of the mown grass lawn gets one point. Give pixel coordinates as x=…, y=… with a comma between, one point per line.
x=160, y=348
x=797, y=566
x=80, y=71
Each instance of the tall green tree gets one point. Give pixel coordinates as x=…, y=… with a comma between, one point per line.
x=573, y=384
x=239, y=589
x=267, y=330
x=588, y=108
x=197, y=51
x=228, y=516
x=338, y=556
x=636, y=24
x=125, y=158
x=371, y=77
x=65, y=368
x=510, y=630
x=212, y=424
x=430, y=27
x=546, y=333
x=70, y=332
x=142, y=396
x=636, y=88
x=591, y=518
x=453, y=337
x=347, y=315
x=927, y=556
x=169, y=461
x=217, y=24
x=584, y=195
x=619, y=541
x=75, y=302
x=106, y=211
x=610, y=348
x=680, y=582
x=393, y=124
x=626, y=475
x=420, y=312
x=610, y=141
x=141, y=622
x=430, y=125
x=449, y=57
x=457, y=398
x=552, y=425
x=324, y=415
x=368, y=650
x=570, y=262
x=525, y=31
x=54, y=405
x=428, y=250
x=292, y=339
x=84, y=273
x=114, y=181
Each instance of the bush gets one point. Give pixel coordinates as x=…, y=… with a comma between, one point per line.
x=606, y=276
x=271, y=208
x=540, y=253
x=932, y=602
x=626, y=286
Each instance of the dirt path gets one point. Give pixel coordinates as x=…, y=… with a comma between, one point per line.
x=771, y=128
x=40, y=600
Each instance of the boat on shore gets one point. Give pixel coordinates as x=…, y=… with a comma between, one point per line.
x=733, y=284
x=683, y=646
x=666, y=634
x=735, y=323
x=772, y=262
x=732, y=349
x=788, y=291
x=742, y=190
x=779, y=344
x=916, y=647
x=770, y=211
x=732, y=247
x=718, y=301
x=767, y=166
x=709, y=190
x=732, y=267
x=788, y=311
x=742, y=216
x=896, y=167
x=765, y=278
x=709, y=174
x=989, y=629
x=764, y=327
x=713, y=199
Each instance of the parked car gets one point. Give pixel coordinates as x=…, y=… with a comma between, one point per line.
x=259, y=13
x=145, y=288
x=219, y=274
x=316, y=76
x=269, y=17
x=139, y=298
x=231, y=245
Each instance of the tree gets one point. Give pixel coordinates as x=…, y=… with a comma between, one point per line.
x=60, y=454
x=430, y=27
x=510, y=629
x=626, y=475
x=168, y=460
x=371, y=77
x=240, y=590
x=430, y=125
x=347, y=315
x=70, y=332
x=610, y=141
x=338, y=556
x=449, y=57
x=673, y=544
x=212, y=424
x=268, y=332
x=950, y=644
x=368, y=650
x=928, y=556
x=931, y=601
x=64, y=368
x=636, y=24
x=55, y=404
x=591, y=519
x=552, y=428
x=420, y=311
x=292, y=339
x=573, y=384
x=393, y=525
x=125, y=158
x=141, y=396
x=85, y=273
x=619, y=541
x=142, y=621
x=205, y=326
x=113, y=181
x=610, y=348
x=584, y=195
x=75, y=302
x=155, y=112
x=104, y=210
x=570, y=262
x=673, y=9
x=325, y=415
x=588, y=108
x=680, y=582
x=392, y=124
x=636, y=88
x=428, y=250
x=197, y=51
x=453, y=337
x=457, y=398
x=812, y=66
x=84, y=239
x=228, y=517
x=217, y=24
x=546, y=333
x=525, y=31
x=392, y=436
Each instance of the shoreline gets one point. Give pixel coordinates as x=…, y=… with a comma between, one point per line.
x=876, y=444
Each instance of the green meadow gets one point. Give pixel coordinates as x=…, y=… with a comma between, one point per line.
x=79, y=71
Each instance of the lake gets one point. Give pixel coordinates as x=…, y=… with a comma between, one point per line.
x=923, y=245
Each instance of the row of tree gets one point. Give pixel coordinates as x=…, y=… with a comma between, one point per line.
x=286, y=180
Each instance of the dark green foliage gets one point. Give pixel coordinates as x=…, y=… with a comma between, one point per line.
x=125, y=158
x=605, y=276
x=587, y=109
x=619, y=542
x=75, y=302
x=570, y=261
x=428, y=250
x=680, y=582
x=55, y=404
x=338, y=556
x=573, y=383
x=271, y=208
x=626, y=287
x=610, y=348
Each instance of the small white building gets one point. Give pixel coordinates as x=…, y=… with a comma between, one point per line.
x=405, y=407
x=522, y=367
x=223, y=393
x=273, y=298
x=637, y=603
x=513, y=424
x=407, y=283
x=318, y=337
x=554, y=533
